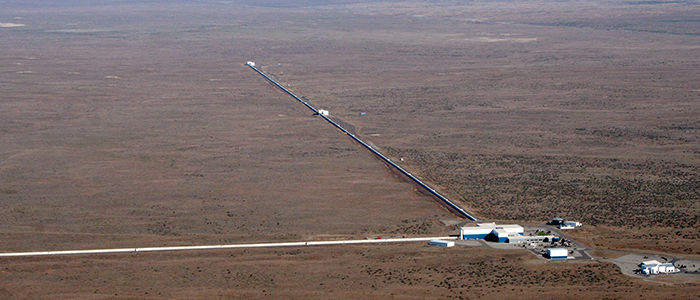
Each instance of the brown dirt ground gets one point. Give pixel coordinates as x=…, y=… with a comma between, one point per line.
x=129, y=124
x=378, y=272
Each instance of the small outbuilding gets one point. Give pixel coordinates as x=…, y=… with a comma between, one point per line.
x=441, y=243
x=570, y=225
x=557, y=253
x=655, y=267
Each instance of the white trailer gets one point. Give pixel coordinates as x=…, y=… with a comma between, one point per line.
x=557, y=253
x=441, y=243
x=572, y=224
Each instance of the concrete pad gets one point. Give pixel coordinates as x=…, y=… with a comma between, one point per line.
x=469, y=243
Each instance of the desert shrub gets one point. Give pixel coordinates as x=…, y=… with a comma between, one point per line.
x=593, y=190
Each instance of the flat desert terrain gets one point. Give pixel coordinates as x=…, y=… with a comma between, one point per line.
x=137, y=124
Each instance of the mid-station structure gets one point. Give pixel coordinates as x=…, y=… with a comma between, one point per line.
x=655, y=267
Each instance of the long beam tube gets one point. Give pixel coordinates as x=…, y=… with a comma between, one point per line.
x=232, y=246
x=380, y=155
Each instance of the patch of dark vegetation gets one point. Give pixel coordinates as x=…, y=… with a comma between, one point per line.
x=675, y=25
x=655, y=2
x=162, y=228
x=614, y=192
x=416, y=226
x=497, y=274
x=633, y=134
x=330, y=151
x=685, y=126
x=8, y=191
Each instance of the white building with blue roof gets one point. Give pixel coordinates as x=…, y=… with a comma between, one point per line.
x=655, y=267
x=494, y=232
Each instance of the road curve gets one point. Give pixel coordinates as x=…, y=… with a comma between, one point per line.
x=442, y=198
x=231, y=246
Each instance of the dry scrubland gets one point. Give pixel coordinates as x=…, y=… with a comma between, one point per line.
x=378, y=272
x=130, y=125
